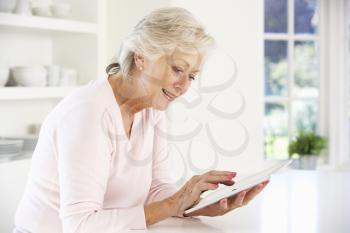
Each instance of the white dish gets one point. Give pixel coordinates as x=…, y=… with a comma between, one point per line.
x=8, y=156
x=241, y=185
x=4, y=153
x=29, y=141
x=29, y=76
x=10, y=147
x=53, y=75
x=9, y=142
x=7, y=5
x=61, y=10
x=44, y=11
x=10, y=151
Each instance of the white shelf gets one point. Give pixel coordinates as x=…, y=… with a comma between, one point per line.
x=23, y=93
x=47, y=23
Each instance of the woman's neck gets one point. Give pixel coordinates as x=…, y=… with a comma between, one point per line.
x=131, y=95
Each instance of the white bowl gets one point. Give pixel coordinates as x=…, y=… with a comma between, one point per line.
x=4, y=75
x=42, y=11
x=61, y=10
x=7, y=5
x=29, y=76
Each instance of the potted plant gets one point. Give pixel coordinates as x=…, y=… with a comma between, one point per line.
x=307, y=147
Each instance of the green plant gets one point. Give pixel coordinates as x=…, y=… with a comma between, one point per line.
x=307, y=143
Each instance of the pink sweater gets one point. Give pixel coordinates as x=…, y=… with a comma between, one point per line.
x=86, y=175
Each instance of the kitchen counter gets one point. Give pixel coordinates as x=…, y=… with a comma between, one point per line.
x=293, y=202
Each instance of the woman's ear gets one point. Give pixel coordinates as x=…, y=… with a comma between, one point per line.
x=139, y=61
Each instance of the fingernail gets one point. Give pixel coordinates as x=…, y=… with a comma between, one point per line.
x=214, y=185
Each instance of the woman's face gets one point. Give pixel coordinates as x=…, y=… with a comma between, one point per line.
x=170, y=76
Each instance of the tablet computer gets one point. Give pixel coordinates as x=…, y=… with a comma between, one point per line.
x=245, y=183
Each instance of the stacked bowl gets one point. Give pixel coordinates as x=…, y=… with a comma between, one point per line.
x=10, y=148
x=29, y=141
x=29, y=76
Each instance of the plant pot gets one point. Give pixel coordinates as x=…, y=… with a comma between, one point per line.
x=305, y=162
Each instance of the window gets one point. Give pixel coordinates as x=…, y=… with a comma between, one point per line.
x=292, y=76
x=347, y=74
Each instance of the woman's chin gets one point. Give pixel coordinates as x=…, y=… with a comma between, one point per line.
x=161, y=105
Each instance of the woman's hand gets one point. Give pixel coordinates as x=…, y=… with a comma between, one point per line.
x=227, y=204
x=189, y=194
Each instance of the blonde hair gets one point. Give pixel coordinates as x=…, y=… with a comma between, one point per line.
x=161, y=31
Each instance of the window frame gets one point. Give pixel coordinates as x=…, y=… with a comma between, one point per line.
x=290, y=37
x=336, y=36
x=347, y=83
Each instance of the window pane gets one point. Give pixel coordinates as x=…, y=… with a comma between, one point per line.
x=306, y=69
x=276, y=131
x=304, y=116
x=305, y=16
x=276, y=16
x=348, y=134
x=348, y=68
x=276, y=68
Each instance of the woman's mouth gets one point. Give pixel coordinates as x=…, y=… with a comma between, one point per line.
x=168, y=95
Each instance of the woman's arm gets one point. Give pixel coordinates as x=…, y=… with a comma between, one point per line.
x=160, y=210
x=163, y=184
x=164, y=199
x=84, y=156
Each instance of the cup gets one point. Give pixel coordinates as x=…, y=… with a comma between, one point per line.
x=69, y=77
x=44, y=11
x=23, y=7
x=4, y=75
x=64, y=77
x=73, y=77
x=34, y=129
x=53, y=75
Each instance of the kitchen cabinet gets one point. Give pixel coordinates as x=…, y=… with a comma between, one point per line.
x=76, y=42
x=13, y=177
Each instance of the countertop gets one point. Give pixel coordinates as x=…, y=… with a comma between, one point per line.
x=293, y=202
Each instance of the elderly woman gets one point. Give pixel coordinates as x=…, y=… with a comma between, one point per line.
x=101, y=163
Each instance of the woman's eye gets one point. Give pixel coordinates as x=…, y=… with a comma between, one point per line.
x=177, y=70
x=192, y=77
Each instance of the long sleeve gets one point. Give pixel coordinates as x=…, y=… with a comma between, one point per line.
x=83, y=170
x=163, y=184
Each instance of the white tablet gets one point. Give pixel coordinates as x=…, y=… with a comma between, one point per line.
x=241, y=185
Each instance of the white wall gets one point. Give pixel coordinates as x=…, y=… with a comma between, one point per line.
x=123, y=16
x=238, y=29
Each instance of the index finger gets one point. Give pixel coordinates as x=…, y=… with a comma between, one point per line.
x=220, y=173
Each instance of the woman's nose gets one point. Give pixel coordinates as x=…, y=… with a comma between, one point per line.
x=181, y=85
